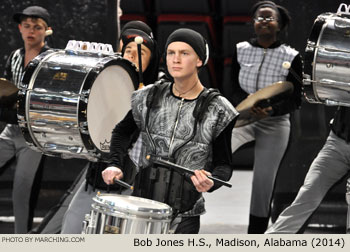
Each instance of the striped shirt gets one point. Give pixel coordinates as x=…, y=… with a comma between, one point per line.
x=14, y=71
x=15, y=67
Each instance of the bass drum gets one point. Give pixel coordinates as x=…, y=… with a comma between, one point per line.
x=327, y=56
x=123, y=214
x=69, y=102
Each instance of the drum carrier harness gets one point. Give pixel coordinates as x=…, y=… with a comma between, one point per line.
x=165, y=184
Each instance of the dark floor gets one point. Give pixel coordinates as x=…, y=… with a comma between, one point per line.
x=47, y=199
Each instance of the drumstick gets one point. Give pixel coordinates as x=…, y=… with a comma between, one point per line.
x=168, y=164
x=122, y=183
x=286, y=65
x=139, y=40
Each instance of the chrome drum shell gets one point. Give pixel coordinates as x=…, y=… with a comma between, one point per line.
x=327, y=61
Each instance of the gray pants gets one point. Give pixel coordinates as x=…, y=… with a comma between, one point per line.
x=330, y=165
x=52, y=223
x=271, y=137
x=27, y=163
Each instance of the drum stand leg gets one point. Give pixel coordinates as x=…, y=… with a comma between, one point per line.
x=103, y=220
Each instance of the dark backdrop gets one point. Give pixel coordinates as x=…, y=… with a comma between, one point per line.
x=94, y=21
x=303, y=13
x=87, y=20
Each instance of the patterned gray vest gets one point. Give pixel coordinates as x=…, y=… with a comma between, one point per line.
x=171, y=124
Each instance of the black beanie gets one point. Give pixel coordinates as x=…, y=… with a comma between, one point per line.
x=138, y=25
x=194, y=39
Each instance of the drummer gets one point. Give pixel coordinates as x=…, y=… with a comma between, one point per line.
x=328, y=168
x=331, y=165
x=82, y=200
x=256, y=64
x=33, y=24
x=164, y=112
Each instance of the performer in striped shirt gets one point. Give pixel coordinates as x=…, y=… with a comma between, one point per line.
x=33, y=26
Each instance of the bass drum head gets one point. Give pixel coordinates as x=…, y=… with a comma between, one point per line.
x=109, y=102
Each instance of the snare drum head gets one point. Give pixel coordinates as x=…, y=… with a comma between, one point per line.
x=131, y=205
x=109, y=102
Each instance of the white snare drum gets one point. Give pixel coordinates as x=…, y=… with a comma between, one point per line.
x=70, y=102
x=327, y=56
x=123, y=214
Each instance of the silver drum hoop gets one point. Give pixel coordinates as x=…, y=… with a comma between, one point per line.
x=123, y=214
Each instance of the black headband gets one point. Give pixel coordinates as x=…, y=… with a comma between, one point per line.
x=283, y=14
x=270, y=5
x=129, y=35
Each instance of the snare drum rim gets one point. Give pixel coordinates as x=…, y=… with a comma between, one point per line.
x=128, y=214
x=82, y=106
x=157, y=214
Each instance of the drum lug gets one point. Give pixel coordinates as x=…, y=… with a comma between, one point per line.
x=83, y=131
x=329, y=102
x=84, y=128
x=42, y=122
x=20, y=118
x=67, y=125
x=75, y=149
x=40, y=90
x=22, y=91
x=21, y=124
x=94, y=154
x=85, y=93
x=306, y=79
x=310, y=47
x=84, y=99
x=50, y=147
x=86, y=229
x=68, y=93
